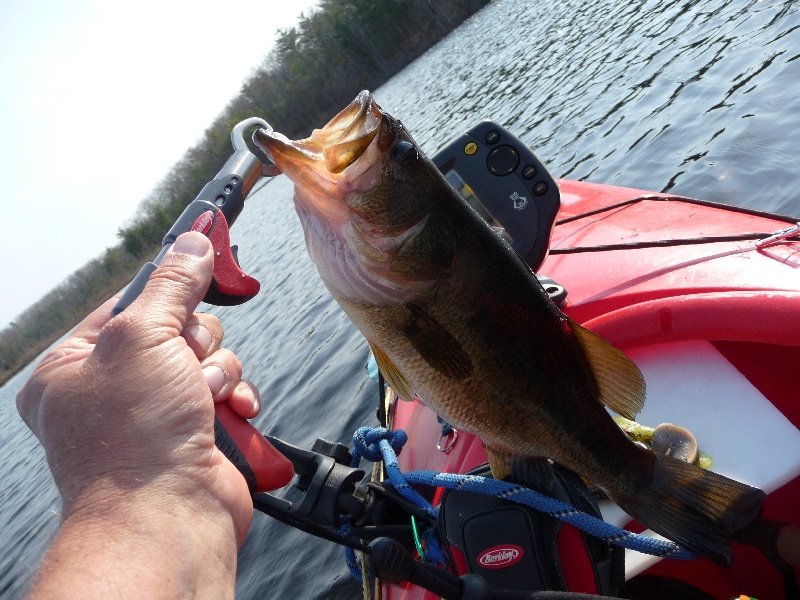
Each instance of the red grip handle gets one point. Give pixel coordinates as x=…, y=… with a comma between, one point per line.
x=263, y=467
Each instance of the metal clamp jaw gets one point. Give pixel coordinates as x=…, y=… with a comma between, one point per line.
x=239, y=145
x=212, y=213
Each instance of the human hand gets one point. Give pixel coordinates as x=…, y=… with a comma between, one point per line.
x=125, y=407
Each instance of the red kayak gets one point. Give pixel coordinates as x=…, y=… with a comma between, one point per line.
x=705, y=299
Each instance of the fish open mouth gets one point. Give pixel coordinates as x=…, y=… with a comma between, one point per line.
x=329, y=150
x=357, y=212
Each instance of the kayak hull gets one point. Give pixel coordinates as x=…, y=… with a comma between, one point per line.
x=713, y=322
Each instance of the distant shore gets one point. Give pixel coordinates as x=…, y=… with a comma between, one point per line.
x=315, y=69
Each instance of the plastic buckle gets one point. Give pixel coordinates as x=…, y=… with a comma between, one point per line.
x=328, y=487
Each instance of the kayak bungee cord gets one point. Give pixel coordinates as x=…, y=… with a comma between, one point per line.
x=662, y=243
x=656, y=198
x=678, y=241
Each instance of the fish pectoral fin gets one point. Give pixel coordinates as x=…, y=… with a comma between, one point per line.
x=532, y=472
x=622, y=386
x=436, y=345
x=392, y=374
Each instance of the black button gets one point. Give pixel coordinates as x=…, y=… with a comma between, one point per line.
x=492, y=137
x=502, y=160
x=540, y=188
x=528, y=172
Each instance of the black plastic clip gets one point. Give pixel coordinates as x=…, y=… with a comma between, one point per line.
x=328, y=487
x=389, y=560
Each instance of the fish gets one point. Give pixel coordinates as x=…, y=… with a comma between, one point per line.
x=456, y=318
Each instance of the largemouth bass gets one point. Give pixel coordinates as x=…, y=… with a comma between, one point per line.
x=454, y=316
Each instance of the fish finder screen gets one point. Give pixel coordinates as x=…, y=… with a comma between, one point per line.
x=462, y=187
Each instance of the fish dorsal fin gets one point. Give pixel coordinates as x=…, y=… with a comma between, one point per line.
x=622, y=387
x=435, y=344
x=391, y=373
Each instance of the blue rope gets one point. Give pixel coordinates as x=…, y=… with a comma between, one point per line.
x=555, y=508
x=377, y=443
x=365, y=438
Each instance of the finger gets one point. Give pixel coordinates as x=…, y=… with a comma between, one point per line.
x=203, y=333
x=82, y=337
x=223, y=372
x=245, y=399
x=92, y=324
x=74, y=348
x=175, y=288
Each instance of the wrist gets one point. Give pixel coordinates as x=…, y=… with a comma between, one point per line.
x=148, y=544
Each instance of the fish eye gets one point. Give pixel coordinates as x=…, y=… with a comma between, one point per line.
x=405, y=153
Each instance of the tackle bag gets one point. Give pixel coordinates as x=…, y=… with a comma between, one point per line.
x=515, y=547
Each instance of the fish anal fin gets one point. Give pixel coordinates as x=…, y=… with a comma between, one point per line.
x=436, y=345
x=500, y=462
x=532, y=472
x=622, y=386
x=391, y=373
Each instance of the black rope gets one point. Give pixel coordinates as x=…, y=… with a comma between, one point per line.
x=666, y=243
x=655, y=198
x=678, y=241
x=604, y=209
x=382, y=416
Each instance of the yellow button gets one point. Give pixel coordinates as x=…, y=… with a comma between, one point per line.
x=471, y=148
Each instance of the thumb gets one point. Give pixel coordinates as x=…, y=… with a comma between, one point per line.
x=177, y=286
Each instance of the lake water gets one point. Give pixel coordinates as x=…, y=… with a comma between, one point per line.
x=699, y=98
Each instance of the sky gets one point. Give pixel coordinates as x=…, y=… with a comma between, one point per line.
x=98, y=99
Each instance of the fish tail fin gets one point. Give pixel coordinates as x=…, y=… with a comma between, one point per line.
x=696, y=508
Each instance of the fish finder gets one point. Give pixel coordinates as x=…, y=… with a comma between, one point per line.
x=504, y=181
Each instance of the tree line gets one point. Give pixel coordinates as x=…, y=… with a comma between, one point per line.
x=314, y=70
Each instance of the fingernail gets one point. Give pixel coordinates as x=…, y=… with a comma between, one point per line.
x=215, y=377
x=253, y=398
x=191, y=244
x=201, y=335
